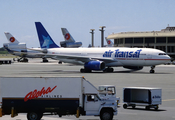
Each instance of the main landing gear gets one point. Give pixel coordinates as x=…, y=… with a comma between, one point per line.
x=45, y=60
x=152, y=69
x=108, y=69
x=21, y=59
x=85, y=70
x=89, y=71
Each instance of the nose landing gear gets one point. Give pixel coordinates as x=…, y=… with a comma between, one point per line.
x=152, y=69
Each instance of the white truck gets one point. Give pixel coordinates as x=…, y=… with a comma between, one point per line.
x=38, y=96
x=142, y=96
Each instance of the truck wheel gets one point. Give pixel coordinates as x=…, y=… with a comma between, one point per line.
x=157, y=107
x=34, y=116
x=106, y=115
x=125, y=106
x=147, y=107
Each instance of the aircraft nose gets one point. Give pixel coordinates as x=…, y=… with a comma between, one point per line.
x=168, y=58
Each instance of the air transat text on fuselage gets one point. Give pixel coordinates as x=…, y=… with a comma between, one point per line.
x=123, y=54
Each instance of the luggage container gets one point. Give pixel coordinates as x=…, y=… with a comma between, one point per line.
x=142, y=96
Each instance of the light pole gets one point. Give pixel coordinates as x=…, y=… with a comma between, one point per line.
x=102, y=35
x=92, y=32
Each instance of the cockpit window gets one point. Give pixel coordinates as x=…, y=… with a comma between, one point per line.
x=162, y=54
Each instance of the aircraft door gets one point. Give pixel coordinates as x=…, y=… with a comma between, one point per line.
x=149, y=56
x=148, y=59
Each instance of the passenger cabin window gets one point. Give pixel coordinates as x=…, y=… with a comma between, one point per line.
x=162, y=54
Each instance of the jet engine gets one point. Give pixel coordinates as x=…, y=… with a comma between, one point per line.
x=70, y=44
x=134, y=67
x=94, y=65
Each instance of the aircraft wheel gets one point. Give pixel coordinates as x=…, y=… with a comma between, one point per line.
x=133, y=106
x=152, y=71
x=108, y=70
x=45, y=60
x=82, y=70
x=60, y=62
x=88, y=70
x=111, y=70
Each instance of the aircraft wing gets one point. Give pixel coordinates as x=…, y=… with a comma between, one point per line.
x=75, y=57
x=80, y=58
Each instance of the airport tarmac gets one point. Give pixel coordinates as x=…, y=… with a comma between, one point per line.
x=164, y=78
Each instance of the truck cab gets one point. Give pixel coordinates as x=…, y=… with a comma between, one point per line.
x=108, y=92
x=104, y=108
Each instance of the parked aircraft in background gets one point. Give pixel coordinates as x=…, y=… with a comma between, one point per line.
x=69, y=40
x=105, y=58
x=19, y=49
x=109, y=43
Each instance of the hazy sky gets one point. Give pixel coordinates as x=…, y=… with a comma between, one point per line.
x=79, y=16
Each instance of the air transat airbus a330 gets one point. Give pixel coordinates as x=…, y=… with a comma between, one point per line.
x=105, y=58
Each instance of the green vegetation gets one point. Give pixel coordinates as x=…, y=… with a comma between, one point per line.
x=3, y=51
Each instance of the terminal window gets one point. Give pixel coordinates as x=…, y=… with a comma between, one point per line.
x=128, y=40
x=161, y=40
x=171, y=49
x=138, y=40
x=171, y=39
x=161, y=48
x=149, y=40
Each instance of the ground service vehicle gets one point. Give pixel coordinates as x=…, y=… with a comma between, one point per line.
x=37, y=96
x=142, y=96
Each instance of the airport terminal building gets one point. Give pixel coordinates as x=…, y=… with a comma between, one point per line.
x=163, y=40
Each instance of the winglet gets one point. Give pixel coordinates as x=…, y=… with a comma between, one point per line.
x=44, y=38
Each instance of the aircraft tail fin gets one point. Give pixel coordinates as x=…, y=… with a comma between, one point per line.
x=109, y=42
x=11, y=38
x=44, y=38
x=67, y=35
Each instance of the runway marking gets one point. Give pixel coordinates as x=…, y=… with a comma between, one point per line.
x=169, y=100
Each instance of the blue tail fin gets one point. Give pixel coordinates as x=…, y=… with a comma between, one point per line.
x=44, y=38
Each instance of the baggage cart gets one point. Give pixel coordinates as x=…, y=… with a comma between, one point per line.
x=142, y=96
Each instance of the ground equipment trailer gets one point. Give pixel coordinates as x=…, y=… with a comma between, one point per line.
x=37, y=96
x=142, y=96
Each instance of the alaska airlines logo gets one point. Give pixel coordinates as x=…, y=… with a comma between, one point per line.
x=47, y=41
x=12, y=39
x=36, y=94
x=67, y=36
x=123, y=54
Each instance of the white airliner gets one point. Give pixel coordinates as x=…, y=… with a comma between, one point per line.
x=109, y=42
x=69, y=40
x=19, y=49
x=105, y=58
